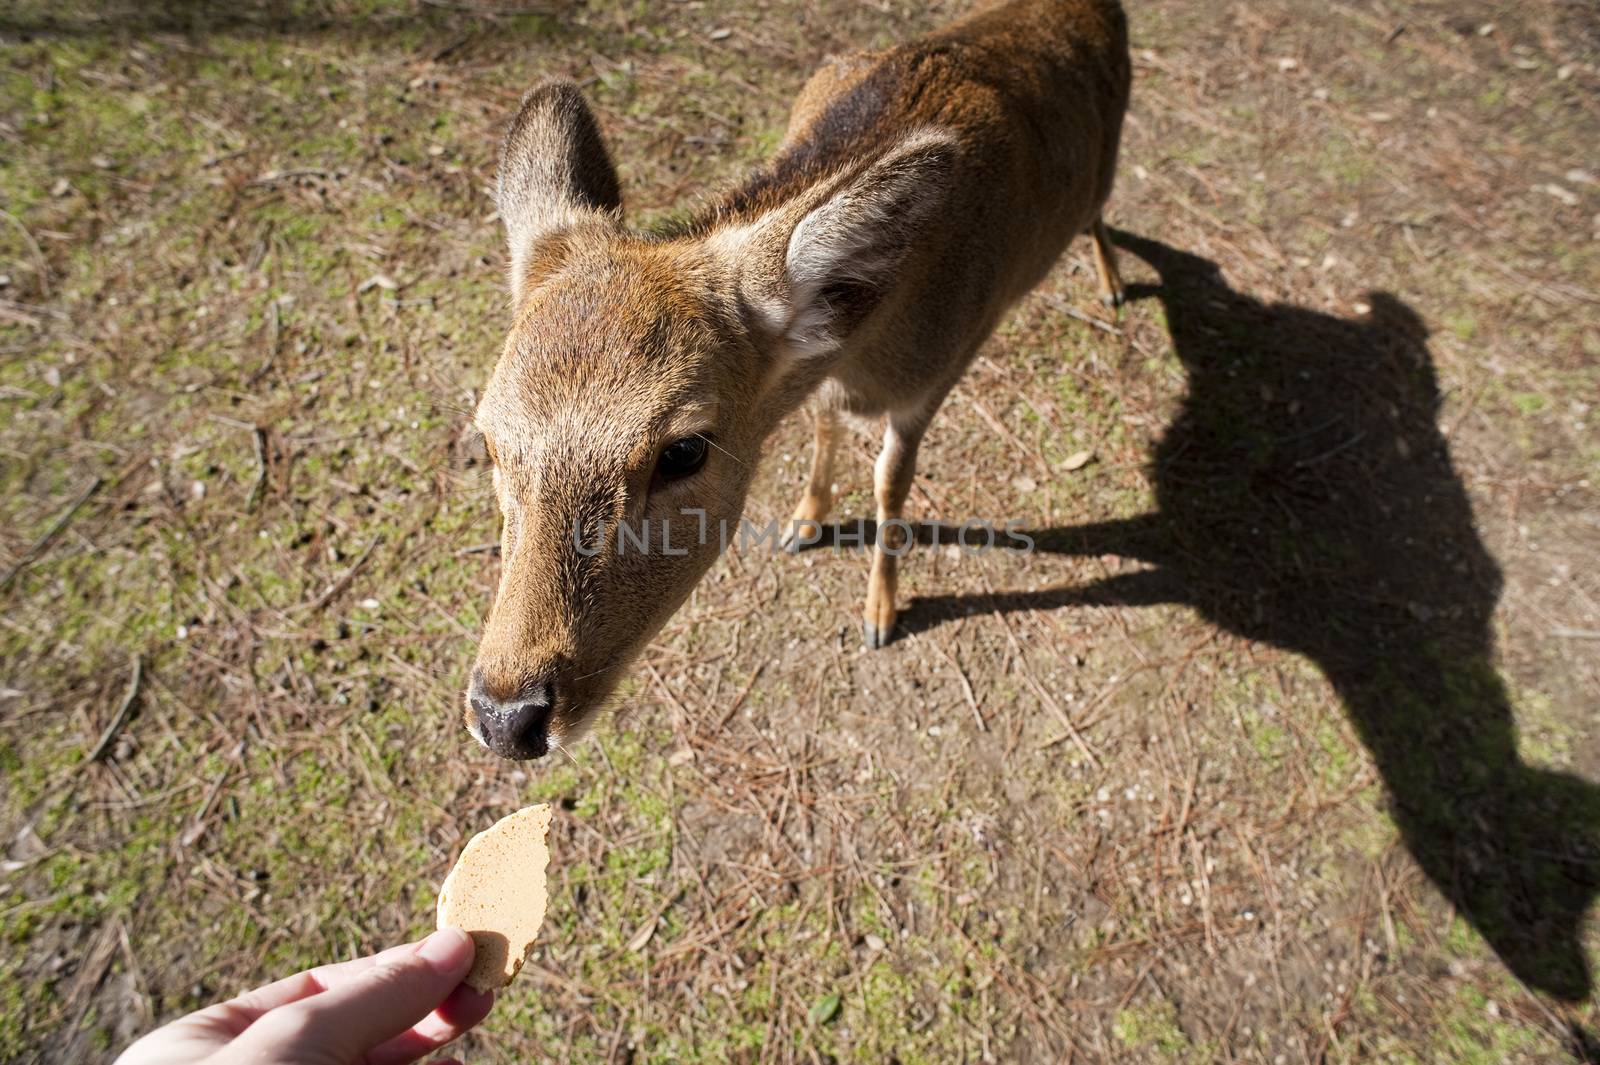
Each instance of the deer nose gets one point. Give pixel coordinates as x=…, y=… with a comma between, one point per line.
x=518, y=727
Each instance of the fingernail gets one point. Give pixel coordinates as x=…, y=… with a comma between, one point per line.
x=448, y=950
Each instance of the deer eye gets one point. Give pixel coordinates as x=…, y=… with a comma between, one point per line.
x=681, y=458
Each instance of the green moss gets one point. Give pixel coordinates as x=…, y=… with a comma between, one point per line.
x=1340, y=762
x=1462, y=323
x=14, y=1044
x=1472, y=1032
x=1152, y=1027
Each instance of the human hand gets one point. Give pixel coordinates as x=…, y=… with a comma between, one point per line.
x=384, y=1009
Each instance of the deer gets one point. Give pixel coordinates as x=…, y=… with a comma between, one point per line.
x=918, y=193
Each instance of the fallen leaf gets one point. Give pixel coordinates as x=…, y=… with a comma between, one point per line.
x=825, y=1009
x=383, y=281
x=1077, y=461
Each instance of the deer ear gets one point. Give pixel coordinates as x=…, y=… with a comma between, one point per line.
x=555, y=173
x=846, y=248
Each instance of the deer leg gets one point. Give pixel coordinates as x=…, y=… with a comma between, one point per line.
x=806, y=523
x=897, y=464
x=1105, y=264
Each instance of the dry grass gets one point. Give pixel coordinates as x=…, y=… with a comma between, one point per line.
x=1281, y=749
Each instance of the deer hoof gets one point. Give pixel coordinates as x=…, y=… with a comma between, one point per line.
x=803, y=533
x=876, y=638
x=1114, y=300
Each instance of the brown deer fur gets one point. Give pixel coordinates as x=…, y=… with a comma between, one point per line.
x=919, y=192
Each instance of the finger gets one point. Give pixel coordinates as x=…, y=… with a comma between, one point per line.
x=340, y=973
x=378, y=1004
x=463, y=1010
x=240, y=1011
x=192, y=1038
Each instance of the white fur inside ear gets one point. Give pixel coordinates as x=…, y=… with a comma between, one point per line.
x=822, y=251
x=860, y=234
x=523, y=230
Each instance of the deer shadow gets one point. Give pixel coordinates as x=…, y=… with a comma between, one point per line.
x=1307, y=499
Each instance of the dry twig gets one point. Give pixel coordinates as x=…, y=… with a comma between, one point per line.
x=124, y=711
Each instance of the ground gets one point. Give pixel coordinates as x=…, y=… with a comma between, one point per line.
x=1280, y=748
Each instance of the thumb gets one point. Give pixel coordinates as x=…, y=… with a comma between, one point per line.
x=345, y=1022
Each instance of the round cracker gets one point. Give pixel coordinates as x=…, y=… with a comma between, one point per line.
x=496, y=894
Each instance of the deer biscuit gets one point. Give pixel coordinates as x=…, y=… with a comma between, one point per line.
x=496, y=894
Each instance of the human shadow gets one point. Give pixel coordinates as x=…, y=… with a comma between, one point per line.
x=1306, y=498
